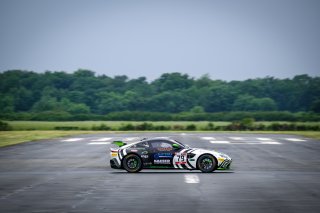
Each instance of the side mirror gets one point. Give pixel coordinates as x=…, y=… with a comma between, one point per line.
x=119, y=143
x=176, y=146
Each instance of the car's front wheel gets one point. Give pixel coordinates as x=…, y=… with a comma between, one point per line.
x=132, y=163
x=206, y=163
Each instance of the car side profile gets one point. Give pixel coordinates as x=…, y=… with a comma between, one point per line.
x=165, y=153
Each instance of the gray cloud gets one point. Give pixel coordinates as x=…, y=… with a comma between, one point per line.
x=230, y=40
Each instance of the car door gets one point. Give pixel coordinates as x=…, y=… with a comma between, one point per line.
x=143, y=150
x=161, y=153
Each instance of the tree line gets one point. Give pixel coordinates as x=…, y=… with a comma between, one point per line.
x=83, y=93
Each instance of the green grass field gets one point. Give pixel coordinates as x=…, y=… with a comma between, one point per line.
x=14, y=137
x=87, y=125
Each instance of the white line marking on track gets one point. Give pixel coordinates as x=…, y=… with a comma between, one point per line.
x=72, y=139
x=207, y=138
x=98, y=143
x=247, y=143
x=264, y=139
x=236, y=138
x=191, y=178
x=259, y=143
x=294, y=139
x=219, y=142
x=270, y=142
x=101, y=139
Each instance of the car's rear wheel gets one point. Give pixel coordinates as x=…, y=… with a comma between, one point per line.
x=132, y=163
x=206, y=163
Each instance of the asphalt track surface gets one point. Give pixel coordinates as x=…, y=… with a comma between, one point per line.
x=270, y=173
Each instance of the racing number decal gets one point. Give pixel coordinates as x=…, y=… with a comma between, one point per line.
x=181, y=158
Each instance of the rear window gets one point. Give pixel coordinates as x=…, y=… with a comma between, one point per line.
x=143, y=144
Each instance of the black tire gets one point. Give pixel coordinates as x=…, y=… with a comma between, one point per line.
x=132, y=163
x=206, y=163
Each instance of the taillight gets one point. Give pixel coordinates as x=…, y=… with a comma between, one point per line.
x=114, y=153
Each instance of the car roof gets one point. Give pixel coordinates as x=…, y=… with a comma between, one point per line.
x=158, y=138
x=162, y=138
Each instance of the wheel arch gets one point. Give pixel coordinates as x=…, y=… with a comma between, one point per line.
x=130, y=153
x=214, y=157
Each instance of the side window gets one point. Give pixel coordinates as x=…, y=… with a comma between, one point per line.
x=165, y=145
x=161, y=145
x=141, y=145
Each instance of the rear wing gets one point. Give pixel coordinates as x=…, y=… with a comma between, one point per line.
x=119, y=143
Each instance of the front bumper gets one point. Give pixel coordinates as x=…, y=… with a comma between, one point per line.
x=114, y=164
x=225, y=164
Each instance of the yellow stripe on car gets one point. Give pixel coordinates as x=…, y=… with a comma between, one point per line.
x=221, y=159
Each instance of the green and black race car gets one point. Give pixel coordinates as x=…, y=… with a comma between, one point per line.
x=165, y=153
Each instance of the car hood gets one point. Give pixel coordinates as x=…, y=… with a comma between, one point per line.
x=211, y=151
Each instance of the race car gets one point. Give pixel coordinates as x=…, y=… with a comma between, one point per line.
x=165, y=153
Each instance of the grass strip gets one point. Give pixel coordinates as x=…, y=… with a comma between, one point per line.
x=8, y=138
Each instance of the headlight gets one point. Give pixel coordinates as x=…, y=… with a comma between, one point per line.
x=190, y=155
x=224, y=155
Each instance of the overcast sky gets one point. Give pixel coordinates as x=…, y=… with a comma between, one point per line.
x=227, y=39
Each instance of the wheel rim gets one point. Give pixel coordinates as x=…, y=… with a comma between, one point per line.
x=206, y=163
x=132, y=163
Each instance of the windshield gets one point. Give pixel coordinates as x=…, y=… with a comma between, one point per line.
x=181, y=144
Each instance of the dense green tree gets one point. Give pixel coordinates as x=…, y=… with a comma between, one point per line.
x=83, y=73
x=6, y=104
x=203, y=81
x=83, y=92
x=110, y=102
x=197, y=109
x=73, y=108
x=172, y=81
x=173, y=101
x=315, y=107
x=23, y=99
x=251, y=103
x=218, y=98
x=46, y=103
